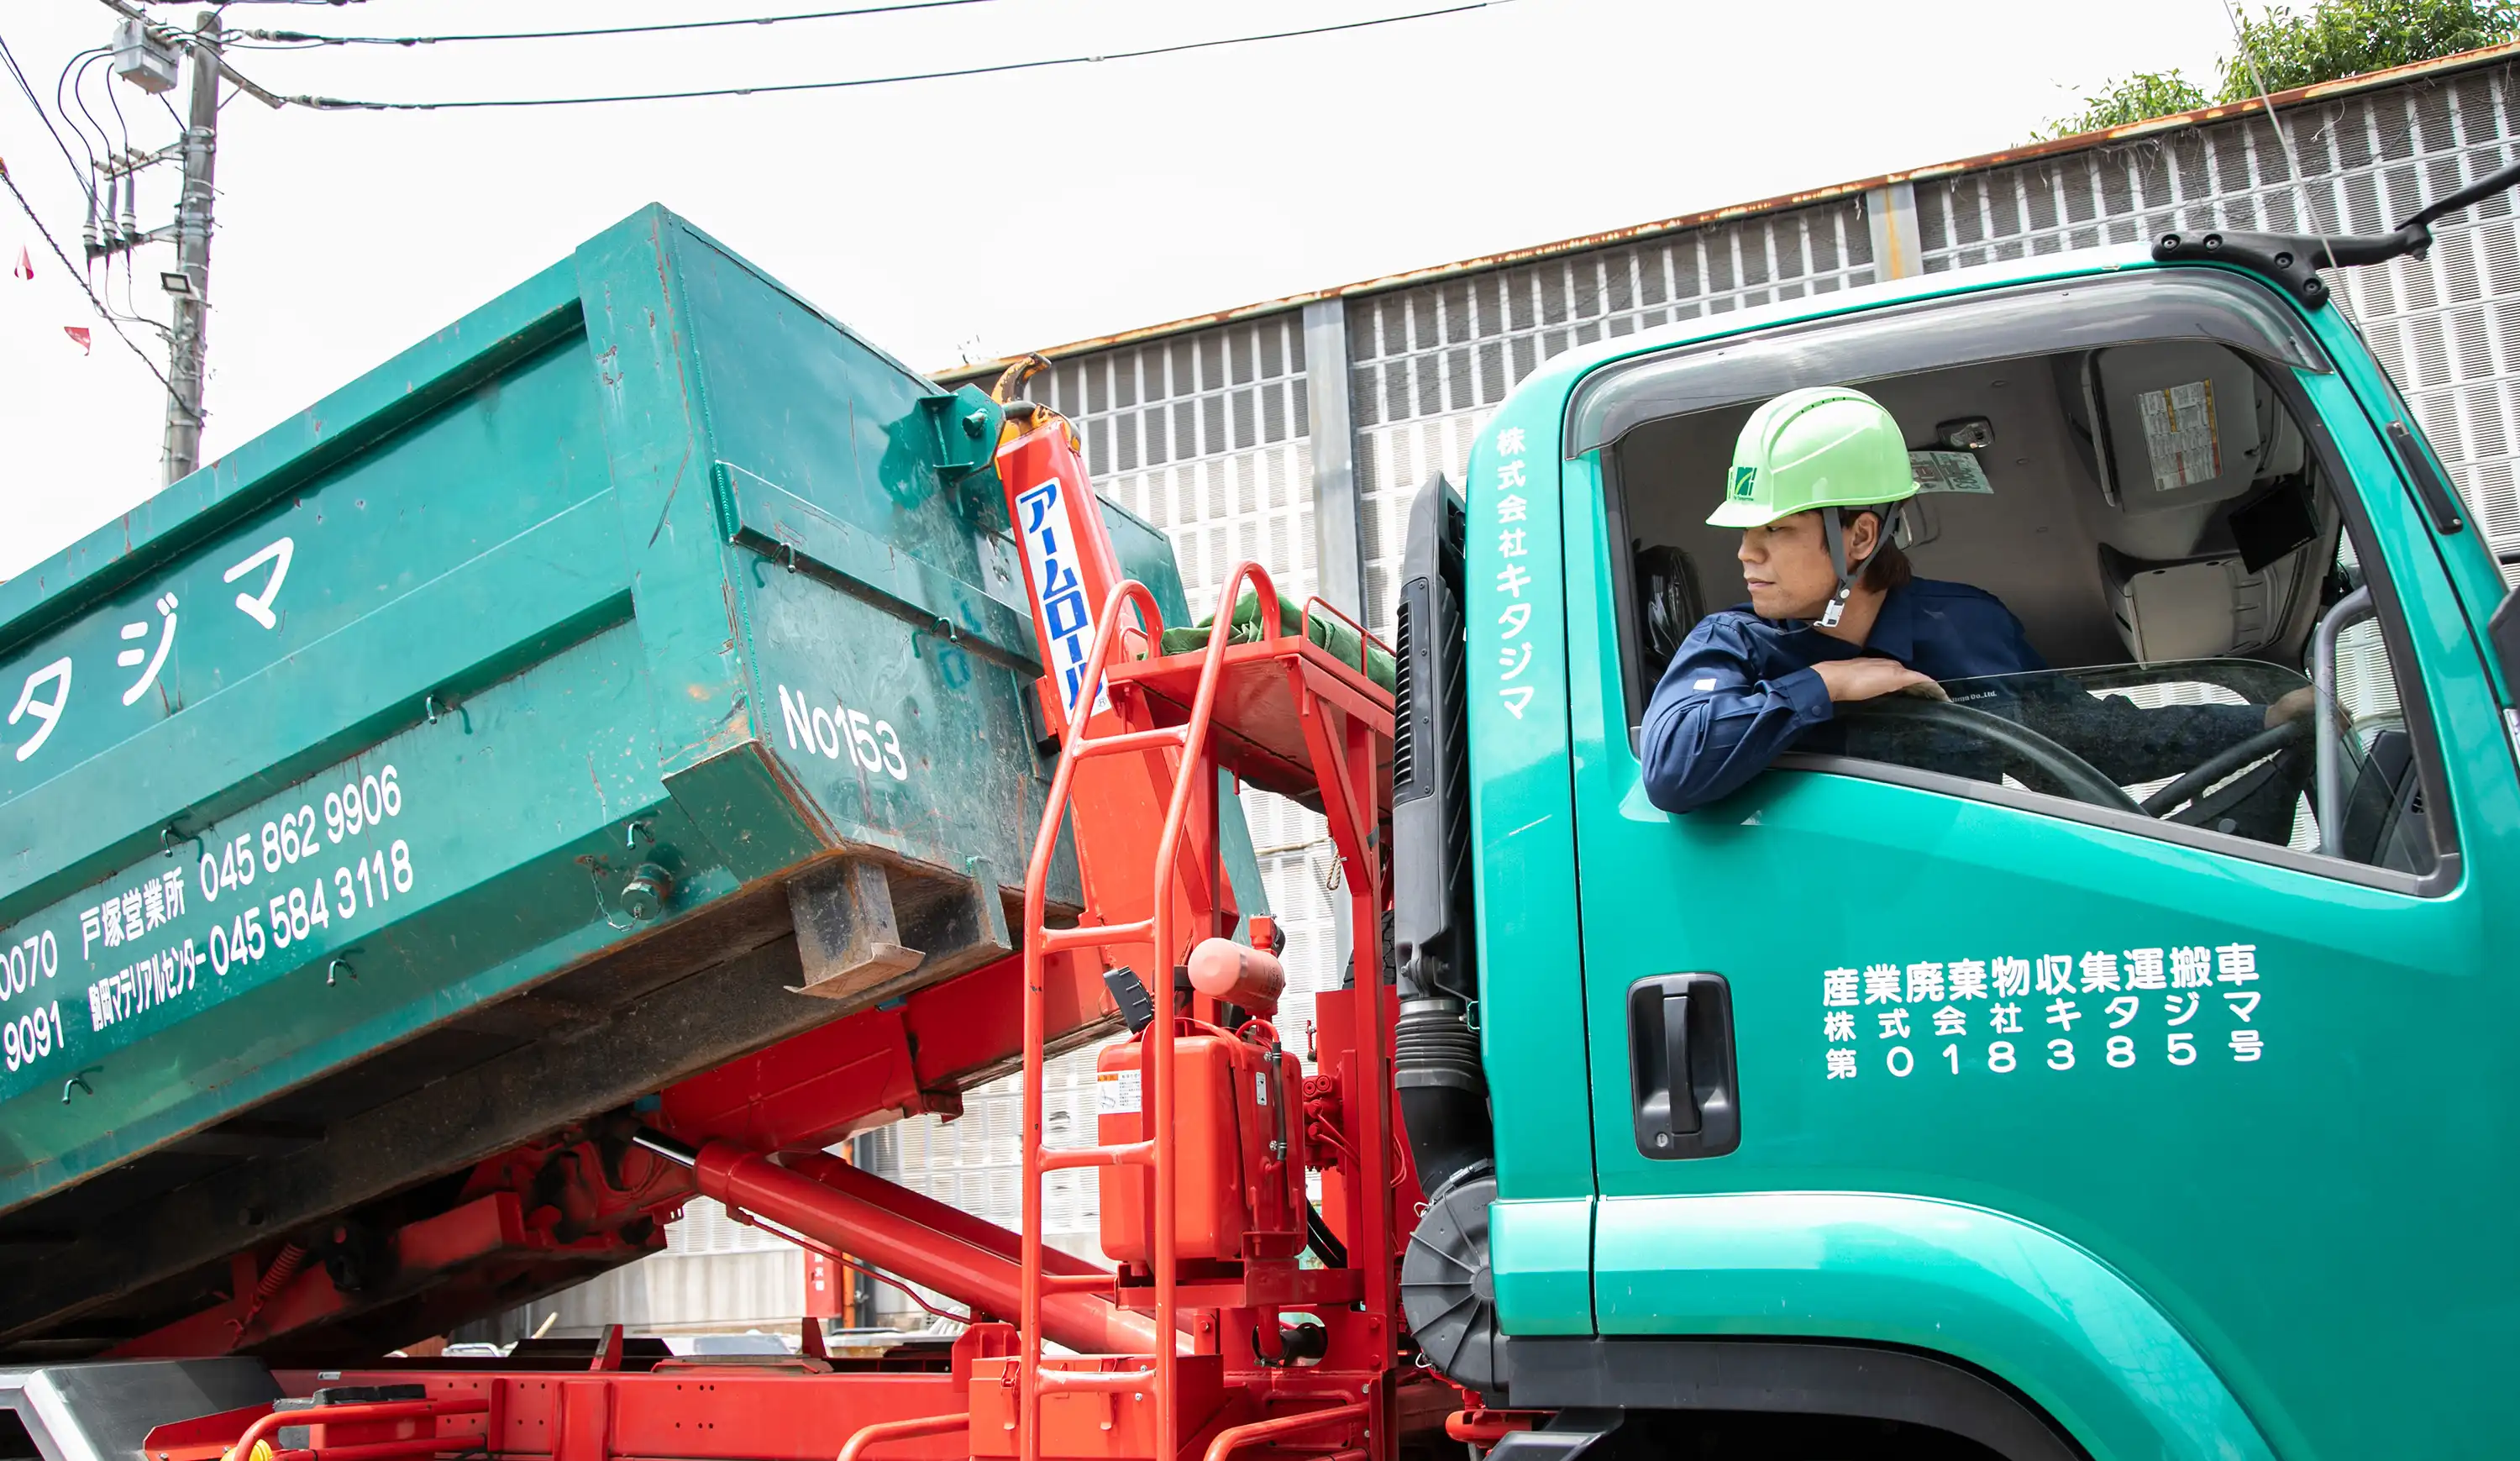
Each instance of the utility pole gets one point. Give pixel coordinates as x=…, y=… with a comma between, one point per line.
x=189, y=353
x=145, y=55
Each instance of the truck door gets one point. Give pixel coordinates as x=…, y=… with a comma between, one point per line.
x=1926, y=1042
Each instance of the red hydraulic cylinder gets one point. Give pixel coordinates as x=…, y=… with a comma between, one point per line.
x=898, y=1243
x=929, y=1213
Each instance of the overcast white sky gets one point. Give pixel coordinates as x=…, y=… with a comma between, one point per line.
x=992, y=213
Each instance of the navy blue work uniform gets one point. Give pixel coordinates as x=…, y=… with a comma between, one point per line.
x=1741, y=691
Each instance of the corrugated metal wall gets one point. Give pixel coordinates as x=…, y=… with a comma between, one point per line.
x=1205, y=432
x=1430, y=363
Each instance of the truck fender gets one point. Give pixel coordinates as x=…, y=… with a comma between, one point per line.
x=2011, y=1299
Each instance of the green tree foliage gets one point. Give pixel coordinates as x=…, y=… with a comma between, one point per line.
x=2348, y=38
x=2331, y=39
x=2122, y=103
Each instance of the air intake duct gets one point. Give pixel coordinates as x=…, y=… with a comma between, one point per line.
x=1443, y=1092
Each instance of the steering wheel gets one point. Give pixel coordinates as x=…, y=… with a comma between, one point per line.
x=2272, y=741
x=2074, y=776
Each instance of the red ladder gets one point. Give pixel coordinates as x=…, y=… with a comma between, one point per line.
x=1304, y=717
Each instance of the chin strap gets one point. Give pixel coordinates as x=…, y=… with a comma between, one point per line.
x=1833, y=524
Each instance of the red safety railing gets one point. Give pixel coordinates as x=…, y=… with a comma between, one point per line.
x=360, y=1414
x=1234, y=1439
x=877, y=1434
x=1189, y=741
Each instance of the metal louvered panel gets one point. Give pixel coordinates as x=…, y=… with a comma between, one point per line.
x=1202, y=394
x=2447, y=328
x=1431, y=362
x=1204, y=435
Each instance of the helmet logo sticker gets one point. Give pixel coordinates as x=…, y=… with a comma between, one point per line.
x=1744, y=481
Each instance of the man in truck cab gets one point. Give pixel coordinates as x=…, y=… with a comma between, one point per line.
x=1836, y=617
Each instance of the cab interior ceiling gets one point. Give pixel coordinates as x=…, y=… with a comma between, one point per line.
x=2227, y=565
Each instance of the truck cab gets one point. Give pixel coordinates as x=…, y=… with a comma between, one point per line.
x=2092, y=1064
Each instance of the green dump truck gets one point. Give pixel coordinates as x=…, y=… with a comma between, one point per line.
x=1934, y=1076
x=474, y=756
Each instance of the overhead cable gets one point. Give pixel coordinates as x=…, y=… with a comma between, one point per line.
x=65, y=95
x=76, y=79
x=71, y=269
x=87, y=183
x=302, y=38
x=340, y=104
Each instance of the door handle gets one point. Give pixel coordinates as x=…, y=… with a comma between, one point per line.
x=1679, y=1091
x=1681, y=1066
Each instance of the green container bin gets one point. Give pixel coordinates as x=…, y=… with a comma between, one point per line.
x=464, y=734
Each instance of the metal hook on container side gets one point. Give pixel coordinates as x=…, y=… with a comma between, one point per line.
x=79, y=1080
x=951, y=631
x=335, y=970
x=170, y=835
x=639, y=827
x=432, y=708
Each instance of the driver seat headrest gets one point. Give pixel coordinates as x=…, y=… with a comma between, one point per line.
x=1669, y=600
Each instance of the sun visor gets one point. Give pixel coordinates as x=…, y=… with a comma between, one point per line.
x=2180, y=422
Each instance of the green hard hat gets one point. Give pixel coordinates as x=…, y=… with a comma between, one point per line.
x=1819, y=447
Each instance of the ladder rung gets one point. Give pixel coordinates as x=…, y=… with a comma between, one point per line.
x=1126, y=1154
x=1079, y=1283
x=1127, y=741
x=1091, y=936
x=1094, y=1380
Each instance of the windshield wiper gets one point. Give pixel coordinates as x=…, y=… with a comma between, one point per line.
x=2292, y=259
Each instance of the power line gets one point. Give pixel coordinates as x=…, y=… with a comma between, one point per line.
x=338, y=104
x=65, y=91
x=87, y=184
x=78, y=80
x=73, y=270
x=300, y=37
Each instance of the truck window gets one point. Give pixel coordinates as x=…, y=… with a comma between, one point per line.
x=2168, y=529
